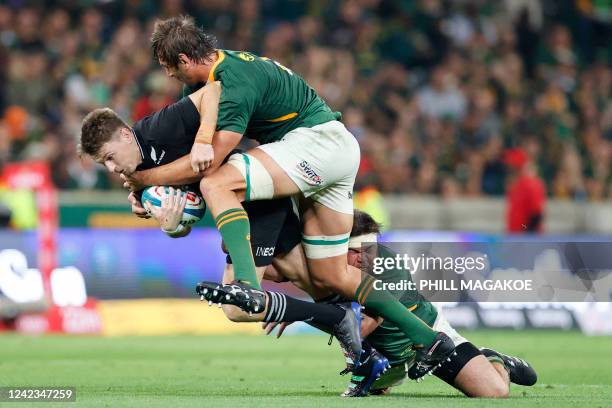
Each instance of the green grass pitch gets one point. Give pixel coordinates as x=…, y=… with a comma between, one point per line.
x=295, y=371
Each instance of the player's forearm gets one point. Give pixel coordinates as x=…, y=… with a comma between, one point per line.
x=208, y=108
x=177, y=173
x=224, y=142
x=180, y=172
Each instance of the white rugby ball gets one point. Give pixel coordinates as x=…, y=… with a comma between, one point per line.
x=194, y=209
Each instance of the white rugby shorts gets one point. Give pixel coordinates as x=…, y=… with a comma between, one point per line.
x=322, y=161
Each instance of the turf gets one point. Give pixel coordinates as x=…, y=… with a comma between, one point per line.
x=295, y=371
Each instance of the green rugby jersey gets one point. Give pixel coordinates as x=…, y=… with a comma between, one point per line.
x=388, y=338
x=264, y=100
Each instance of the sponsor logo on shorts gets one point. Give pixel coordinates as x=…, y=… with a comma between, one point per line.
x=264, y=251
x=310, y=174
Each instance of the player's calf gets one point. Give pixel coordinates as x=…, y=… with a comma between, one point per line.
x=237, y=315
x=479, y=379
x=345, y=322
x=471, y=373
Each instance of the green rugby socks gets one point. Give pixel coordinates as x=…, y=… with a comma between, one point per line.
x=388, y=307
x=235, y=230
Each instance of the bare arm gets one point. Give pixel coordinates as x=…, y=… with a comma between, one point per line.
x=206, y=101
x=179, y=172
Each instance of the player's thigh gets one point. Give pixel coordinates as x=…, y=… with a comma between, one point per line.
x=293, y=266
x=227, y=177
x=318, y=219
x=325, y=243
x=283, y=184
x=309, y=160
x=478, y=378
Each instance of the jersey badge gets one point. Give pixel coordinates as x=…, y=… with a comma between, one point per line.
x=154, y=157
x=246, y=57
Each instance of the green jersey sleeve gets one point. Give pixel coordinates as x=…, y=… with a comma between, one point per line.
x=236, y=106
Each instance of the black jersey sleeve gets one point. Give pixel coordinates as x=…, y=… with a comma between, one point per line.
x=176, y=124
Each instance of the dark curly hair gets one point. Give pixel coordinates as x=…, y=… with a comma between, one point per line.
x=363, y=223
x=180, y=35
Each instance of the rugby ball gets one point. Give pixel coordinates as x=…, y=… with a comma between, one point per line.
x=194, y=210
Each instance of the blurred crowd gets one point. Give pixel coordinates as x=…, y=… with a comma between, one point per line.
x=434, y=90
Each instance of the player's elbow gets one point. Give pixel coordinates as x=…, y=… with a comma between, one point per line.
x=234, y=314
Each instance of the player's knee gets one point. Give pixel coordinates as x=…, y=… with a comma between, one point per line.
x=209, y=185
x=500, y=391
x=496, y=389
x=234, y=314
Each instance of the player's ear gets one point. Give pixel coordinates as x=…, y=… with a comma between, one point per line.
x=125, y=134
x=184, y=59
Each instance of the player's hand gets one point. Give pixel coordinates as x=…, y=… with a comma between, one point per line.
x=137, y=208
x=269, y=327
x=170, y=213
x=133, y=182
x=202, y=155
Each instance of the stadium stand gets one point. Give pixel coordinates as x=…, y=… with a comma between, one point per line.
x=434, y=90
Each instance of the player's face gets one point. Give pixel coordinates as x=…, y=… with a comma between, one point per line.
x=362, y=257
x=354, y=257
x=121, y=154
x=183, y=72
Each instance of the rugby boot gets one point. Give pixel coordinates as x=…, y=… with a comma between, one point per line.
x=236, y=293
x=427, y=360
x=520, y=372
x=372, y=367
x=348, y=333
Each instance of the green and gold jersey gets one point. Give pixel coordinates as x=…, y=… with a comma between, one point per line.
x=388, y=338
x=264, y=100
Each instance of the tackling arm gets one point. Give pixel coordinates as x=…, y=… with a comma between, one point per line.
x=179, y=172
x=207, y=103
x=206, y=100
x=214, y=145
